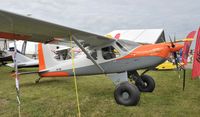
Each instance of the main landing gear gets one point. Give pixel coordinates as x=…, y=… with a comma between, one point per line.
x=144, y=83
x=125, y=93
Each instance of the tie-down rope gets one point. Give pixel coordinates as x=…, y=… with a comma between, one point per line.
x=17, y=79
x=75, y=82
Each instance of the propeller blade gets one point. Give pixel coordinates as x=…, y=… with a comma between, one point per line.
x=174, y=38
x=170, y=39
x=172, y=44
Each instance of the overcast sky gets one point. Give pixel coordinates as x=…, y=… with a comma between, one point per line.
x=176, y=17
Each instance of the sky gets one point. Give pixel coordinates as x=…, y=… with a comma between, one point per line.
x=176, y=17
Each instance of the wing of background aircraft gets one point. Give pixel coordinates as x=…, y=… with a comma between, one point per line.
x=13, y=26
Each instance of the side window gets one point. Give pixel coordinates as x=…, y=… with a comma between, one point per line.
x=109, y=52
x=94, y=54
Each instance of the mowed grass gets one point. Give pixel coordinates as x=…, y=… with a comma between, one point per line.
x=55, y=97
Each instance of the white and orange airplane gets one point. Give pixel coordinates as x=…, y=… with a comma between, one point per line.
x=118, y=59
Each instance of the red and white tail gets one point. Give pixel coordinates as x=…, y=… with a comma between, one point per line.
x=46, y=57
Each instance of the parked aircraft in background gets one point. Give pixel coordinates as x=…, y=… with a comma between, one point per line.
x=5, y=55
x=24, y=62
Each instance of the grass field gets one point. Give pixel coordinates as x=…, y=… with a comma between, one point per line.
x=55, y=97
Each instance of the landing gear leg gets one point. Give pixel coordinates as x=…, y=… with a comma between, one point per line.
x=144, y=83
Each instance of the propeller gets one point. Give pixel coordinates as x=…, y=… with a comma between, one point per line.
x=177, y=62
x=174, y=53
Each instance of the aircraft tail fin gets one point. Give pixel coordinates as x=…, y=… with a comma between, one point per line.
x=20, y=59
x=46, y=57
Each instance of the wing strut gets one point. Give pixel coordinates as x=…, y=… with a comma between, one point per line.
x=88, y=55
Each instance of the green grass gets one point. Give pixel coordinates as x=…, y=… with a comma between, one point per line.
x=55, y=97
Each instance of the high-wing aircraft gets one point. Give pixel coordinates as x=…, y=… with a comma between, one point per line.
x=118, y=59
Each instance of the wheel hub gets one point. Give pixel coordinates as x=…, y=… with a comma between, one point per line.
x=125, y=95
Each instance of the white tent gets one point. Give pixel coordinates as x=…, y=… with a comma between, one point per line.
x=31, y=47
x=150, y=36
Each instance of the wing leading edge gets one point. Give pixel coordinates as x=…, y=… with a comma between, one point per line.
x=14, y=26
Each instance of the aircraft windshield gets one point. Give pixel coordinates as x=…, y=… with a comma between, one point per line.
x=127, y=45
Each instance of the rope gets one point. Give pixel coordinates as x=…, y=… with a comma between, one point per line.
x=17, y=80
x=75, y=82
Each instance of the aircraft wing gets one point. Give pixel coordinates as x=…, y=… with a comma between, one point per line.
x=13, y=26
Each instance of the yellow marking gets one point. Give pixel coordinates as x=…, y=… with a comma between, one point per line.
x=109, y=36
x=75, y=82
x=185, y=39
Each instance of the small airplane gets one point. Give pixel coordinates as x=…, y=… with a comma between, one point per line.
x=118, y=59
x=5, y=55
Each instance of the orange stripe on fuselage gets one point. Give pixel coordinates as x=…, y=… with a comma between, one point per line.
x=159, y=50
x=54, y=74
x=41, y=57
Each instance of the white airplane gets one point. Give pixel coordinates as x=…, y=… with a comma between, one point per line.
x=118, y=59
x=23, y=61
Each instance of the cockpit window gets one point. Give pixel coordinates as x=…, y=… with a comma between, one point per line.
x=121, y=47
x=109, y=52
x=128, y=45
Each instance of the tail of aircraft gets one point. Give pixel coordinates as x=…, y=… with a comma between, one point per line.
x=20, y=59
x=46, y=57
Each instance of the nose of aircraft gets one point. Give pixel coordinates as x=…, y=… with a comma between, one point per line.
x=176, y=47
